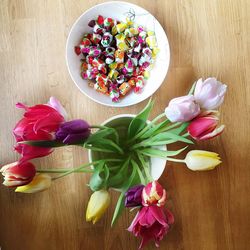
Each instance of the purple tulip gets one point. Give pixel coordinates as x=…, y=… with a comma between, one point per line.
x=133, y=197
x=73, y=132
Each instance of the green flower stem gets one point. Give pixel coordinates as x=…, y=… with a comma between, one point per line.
x=75, y=170
x=169, y=127
x=175, y=160
x=145, y=167
x=97, y=126
x=186, y=134
x=61, y=170
x=147, y=127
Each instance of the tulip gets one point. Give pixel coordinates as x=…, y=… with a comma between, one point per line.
x=204, y=126
x=153, y=194
x=73, y=131
x=40, y=183
x=18, y=174
x=209, y=93
x=200, y=160
x=182, y=109
x=133, y=197
x=98, y=204
x=40, y=122
x=151, y=223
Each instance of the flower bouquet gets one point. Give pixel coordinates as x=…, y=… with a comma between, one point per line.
x=121, y=153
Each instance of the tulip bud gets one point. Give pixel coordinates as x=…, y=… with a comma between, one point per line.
x=98, y=204
x=154, y=194
x=182, y=109
x=200, y=160
x=73, y=131
x=204, y=126
x=209, y=93
x=40, y=183
x=18, y=174
x=133, y=197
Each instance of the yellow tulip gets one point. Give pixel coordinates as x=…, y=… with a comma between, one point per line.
x=98, y=204
x=200, y=160
x=40, y=183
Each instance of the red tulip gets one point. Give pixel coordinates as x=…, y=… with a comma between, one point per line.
x=204, y=126
x=153, y=194
x=18, y=174
x=40, y=122
x=151, y=223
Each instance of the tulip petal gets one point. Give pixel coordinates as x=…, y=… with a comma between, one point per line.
x=40, y=183
x=54, y=103
x=214, y=133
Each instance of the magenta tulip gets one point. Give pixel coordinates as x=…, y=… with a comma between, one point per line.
x=154, y=194
x=209, y=93
x=151, y=223
x=18, y=174
x=39, y=122
x=204, y=126
x=182, y=109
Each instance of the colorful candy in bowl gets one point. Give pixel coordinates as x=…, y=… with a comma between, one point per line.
x=117, y=54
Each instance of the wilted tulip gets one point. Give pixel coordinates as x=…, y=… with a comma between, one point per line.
x=73, y=131
x=209, y=93
x=151, y=223
x=98, y=204
x=204, y=126
x=133, y=197
x=153, y=194
x=18, y=174
x=182, y=109
x=200, y=160
x=40, y=183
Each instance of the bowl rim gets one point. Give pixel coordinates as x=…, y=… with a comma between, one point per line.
x=115, y=105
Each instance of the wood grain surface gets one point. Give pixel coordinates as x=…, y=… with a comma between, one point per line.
x=207, y=38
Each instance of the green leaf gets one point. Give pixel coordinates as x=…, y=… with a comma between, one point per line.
x=120, y=203
x=153, y=130
x=180, y=129
x=44, y=144
x=100, y=176
x=118, y=179
x=146, y=165
x=101, y=134
x=152, y=152
x=105, y=144
x=139, y=121
x=168, y=135
x=119, y=208
x=136, y=166
x=191, y=91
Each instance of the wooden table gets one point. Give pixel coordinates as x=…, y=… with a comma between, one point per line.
x=207, y=38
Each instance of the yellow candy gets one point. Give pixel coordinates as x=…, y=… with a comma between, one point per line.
x=123, y=46
x=146, y=74
x=129, y=22
x=151, y=41
x=155, y=51
x=113, y=65
x=114, y=30
x=150, y=33
x=121, y=27
x=113, y=74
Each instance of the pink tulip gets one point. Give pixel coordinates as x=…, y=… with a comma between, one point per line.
x=153, y=194
x=182, y=109
x=40, y=122
x=151, y=223
x=209, y=93
x=204, y=126
x=18, y=174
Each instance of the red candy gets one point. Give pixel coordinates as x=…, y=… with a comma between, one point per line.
x=100, y=20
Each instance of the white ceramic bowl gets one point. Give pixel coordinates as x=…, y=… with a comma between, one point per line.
x=157, y=165
x=119, y=11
